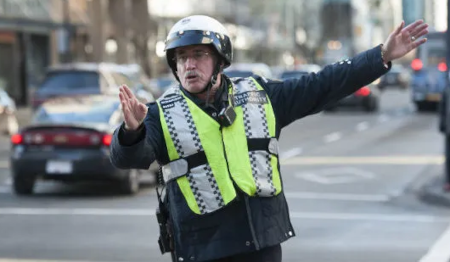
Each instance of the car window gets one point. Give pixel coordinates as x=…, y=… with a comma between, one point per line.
x=238, y=73
x=70, y=80
x=94, y=113
x=292, y=74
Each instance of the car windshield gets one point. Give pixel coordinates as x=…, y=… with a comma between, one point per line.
x=70, y=80
x=292, y=74
x=66, y=114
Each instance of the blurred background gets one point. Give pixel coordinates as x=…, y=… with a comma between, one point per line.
x=366, y=180
x=37, y=34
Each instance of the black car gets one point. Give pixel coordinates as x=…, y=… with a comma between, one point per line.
x=397, y=77
x=68, y=140
x=292, y=74
x=367, y=98
x=74, y=79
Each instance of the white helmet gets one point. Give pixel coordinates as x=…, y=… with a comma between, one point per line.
x=198, y=30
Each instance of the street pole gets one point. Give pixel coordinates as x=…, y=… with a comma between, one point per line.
x=67, y=35
x=447, y=106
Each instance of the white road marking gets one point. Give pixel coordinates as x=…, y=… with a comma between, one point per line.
x=77, y=211
x=362, y=126
x=369, y=217
x=440, y=251
x=366, y=160
x=151, y=212
x=337, y=196
x=332, y=137
x=39, y=260
x=4, y=189
x=291, y=153
x=335, y=175
x=383, y=118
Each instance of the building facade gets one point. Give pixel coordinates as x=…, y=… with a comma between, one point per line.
x=29, y=42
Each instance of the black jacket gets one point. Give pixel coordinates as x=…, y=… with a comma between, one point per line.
x=251, y=222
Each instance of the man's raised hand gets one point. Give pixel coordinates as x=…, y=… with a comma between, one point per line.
x=134, y=112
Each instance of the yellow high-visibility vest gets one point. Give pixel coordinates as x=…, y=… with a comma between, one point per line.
x=205, y=157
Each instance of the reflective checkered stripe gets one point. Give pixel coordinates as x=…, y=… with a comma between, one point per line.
x=207, y=187
x=255, y=119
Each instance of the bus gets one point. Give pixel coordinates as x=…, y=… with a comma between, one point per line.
x=429, y=72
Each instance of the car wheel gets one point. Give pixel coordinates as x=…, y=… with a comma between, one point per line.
x=424, y=107
x=23, y=185
x=130, y=185
x=371, y=105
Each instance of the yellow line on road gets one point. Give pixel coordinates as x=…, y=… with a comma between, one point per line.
x=365, y=160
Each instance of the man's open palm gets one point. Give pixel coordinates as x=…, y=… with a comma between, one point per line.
x=134, y=111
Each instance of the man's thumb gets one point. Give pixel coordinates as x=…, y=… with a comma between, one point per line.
x=142, y=108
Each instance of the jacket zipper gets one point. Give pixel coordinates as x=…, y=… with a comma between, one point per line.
x=247, y=205
x=252, y=228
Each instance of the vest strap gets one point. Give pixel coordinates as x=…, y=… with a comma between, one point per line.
x=263, y=144
x=181, y=167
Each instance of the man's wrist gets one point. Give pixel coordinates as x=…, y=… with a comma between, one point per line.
x=383, y=56
x=131, y=137
x=127, y=128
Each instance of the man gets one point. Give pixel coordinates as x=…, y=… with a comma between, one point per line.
x=217, y=139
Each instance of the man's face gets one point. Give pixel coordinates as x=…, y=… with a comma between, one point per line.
x=195, y=66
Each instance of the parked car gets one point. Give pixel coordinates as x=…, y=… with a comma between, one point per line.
x=429, y=72
x=248, y=69
x=310, y=68
x=367, y=97
x=292, y=74
x=68, y=140
x=84, y=79
x=163, y=82
x=397, y=77
x=298, y=71
x=142, y=82
x=8, y=119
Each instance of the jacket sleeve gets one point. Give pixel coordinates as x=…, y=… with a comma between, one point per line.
x=296, y=98
x=142, y=153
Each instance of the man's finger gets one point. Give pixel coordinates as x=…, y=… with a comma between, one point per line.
x=123, y=99
x=142, y=107
x=419, y=29
x=422, y=33
x=123, y=91
x=419, y=42
x=399, y=28
x=409, y=28
x=128, y=92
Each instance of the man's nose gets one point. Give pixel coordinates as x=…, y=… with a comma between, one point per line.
x=190, y=63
